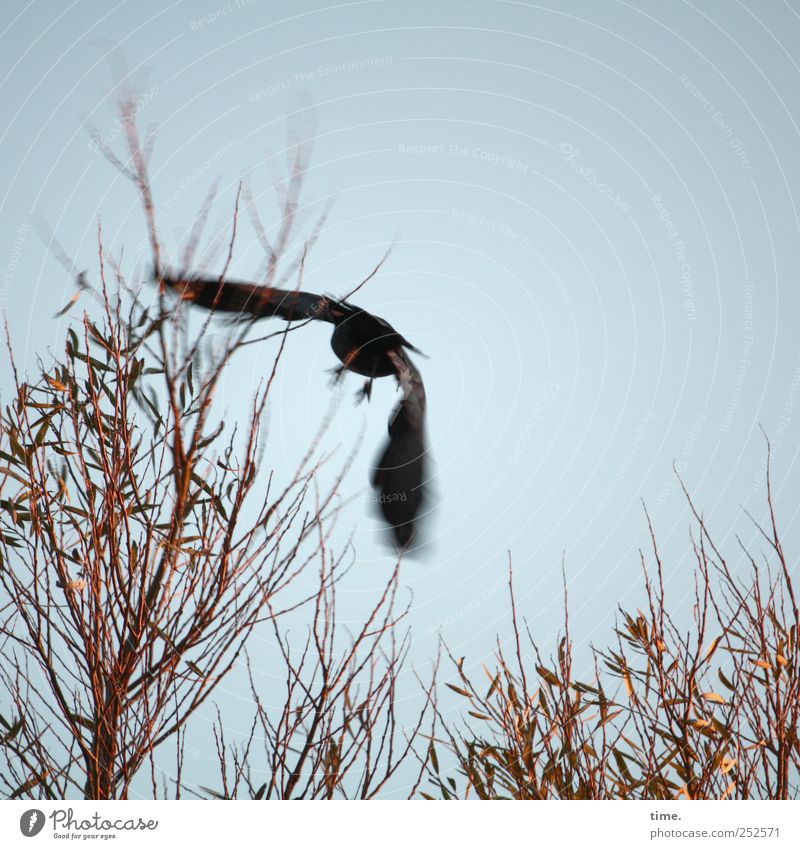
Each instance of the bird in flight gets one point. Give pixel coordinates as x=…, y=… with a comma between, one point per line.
x=365, y=344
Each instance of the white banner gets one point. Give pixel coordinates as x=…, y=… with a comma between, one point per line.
x=390, y=824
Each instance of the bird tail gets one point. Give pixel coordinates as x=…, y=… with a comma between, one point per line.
x=407, y=344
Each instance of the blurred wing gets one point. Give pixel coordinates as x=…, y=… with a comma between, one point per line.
x=258, y=301
x=400, y=473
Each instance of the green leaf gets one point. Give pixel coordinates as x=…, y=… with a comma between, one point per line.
x=494, y=686
x=548, y=676
x=9, y=473
x=433, y=757
x=42, y=432
x=70, y=304
x=12, y=732
x=715, y=697
x=479, y=715
x=83, y=721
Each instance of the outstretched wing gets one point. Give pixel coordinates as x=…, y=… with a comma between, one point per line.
x=233, y=296
x=400, y=473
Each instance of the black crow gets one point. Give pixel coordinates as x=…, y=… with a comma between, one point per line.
x=366, y=345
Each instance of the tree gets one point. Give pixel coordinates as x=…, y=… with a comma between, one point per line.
x=139, y=552
x=702, y=710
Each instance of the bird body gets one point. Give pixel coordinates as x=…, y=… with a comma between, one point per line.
x=366, y=345
x=363, y=341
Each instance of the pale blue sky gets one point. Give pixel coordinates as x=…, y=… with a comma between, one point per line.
x=595, y=205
